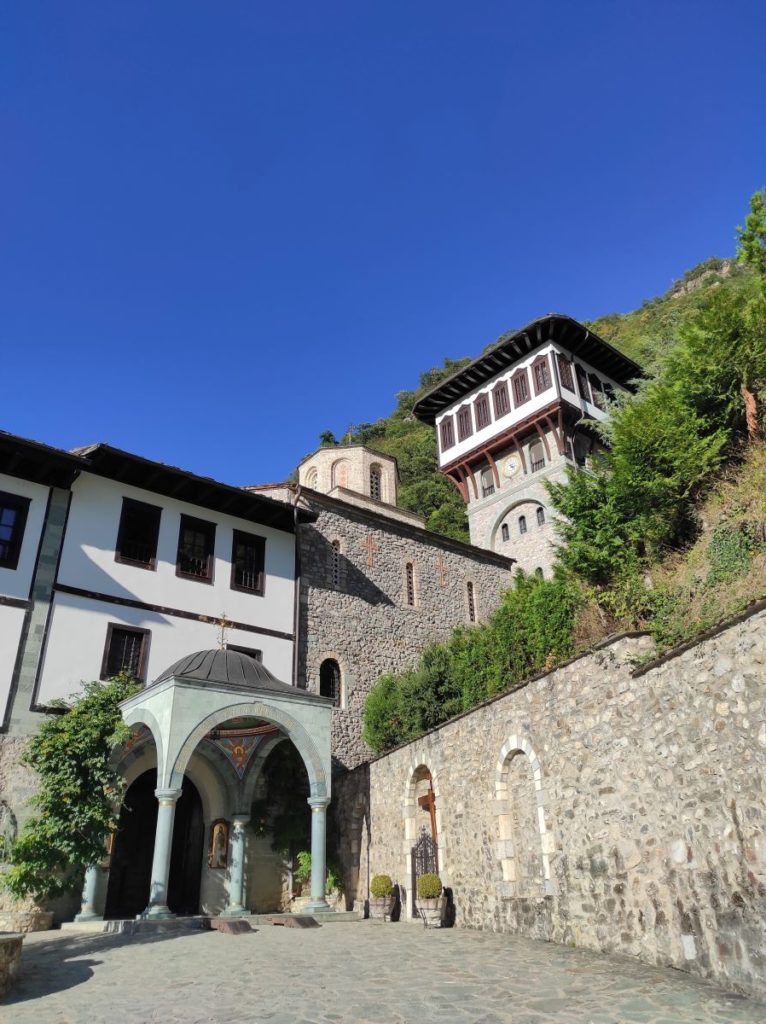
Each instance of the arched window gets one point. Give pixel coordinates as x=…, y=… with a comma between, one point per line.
x=504, y=531
x=340, y=474
x=471, y=602
x=311, y=478
x=537, y=455
x=329, y=680
x=335, y=566
x=540, y=515
x=522, y=524
x=487, y=482
x=410, y=573
x=376, y=483
x=539, y=571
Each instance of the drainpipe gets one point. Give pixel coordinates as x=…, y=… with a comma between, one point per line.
x=297, y=602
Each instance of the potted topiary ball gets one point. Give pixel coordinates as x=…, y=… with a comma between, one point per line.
x=430, y=899
x=382, y=896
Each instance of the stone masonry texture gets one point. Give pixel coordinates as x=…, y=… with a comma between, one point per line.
x=363, y=621
x=650, y=838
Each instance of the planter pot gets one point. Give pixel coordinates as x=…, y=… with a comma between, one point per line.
x=433, y=910
x=382, y=907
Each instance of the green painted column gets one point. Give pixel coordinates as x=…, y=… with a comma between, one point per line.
x=318, y=853
x=236, y=887
x=163, y=845
x=90, y=895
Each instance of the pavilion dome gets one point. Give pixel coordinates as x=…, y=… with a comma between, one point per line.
x=224, y=668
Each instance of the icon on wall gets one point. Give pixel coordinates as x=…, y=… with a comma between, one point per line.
x=218, y=854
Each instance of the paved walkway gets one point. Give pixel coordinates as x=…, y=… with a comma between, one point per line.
x=360, y=973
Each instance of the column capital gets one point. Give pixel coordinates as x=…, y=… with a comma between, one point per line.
x=167, y=796
x=318, y=803
x=239, y=820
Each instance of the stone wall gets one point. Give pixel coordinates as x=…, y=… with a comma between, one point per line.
x=616, y=809
x=10, y=961
x=357, y=612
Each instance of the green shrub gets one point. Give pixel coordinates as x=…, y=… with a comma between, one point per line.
x=729, y=554
x=381, y=886
x=429, y=887
x=303, y=872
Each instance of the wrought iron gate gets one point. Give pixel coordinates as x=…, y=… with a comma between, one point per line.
x=425, y=858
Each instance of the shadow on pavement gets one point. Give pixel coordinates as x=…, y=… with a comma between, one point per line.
x=59, y=963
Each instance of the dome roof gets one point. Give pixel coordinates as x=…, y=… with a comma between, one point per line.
x=228, y=669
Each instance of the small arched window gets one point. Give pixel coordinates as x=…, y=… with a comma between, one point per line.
x=522, y=524
x=471, y=602
x=537, y=455
x=539, y=572
x=410, y=574
x=504, y=531
x=311, y=479
x=329, y=680
x=340, y=474
x=540, y=515
x=487, y=482
x=376, y=483
x=335, y=566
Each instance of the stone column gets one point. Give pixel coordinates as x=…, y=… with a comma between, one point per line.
x=236, y=886
x=318, y=853
x=90, y=895
x=163, y=845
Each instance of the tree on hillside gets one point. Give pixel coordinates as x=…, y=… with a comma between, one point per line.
x=752, y=237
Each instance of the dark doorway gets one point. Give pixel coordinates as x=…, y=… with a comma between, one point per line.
x=131, y=865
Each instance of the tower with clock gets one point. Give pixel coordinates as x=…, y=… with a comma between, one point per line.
x=524, y=412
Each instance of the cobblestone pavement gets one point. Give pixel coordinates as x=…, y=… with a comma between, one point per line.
x=363, y=972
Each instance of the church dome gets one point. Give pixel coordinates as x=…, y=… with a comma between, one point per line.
x=225, y=668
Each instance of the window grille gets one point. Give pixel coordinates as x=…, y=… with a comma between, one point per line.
x=540, y=515
x=482, y=412
x=504, y=533
x=376, y=483
x=410, y=584
x=335, y=567
x=125, y=652
x=582, y=381
x=537, y=456
x=247, y=562
x=195, y=549
x=13, y=519
x=330, y=680
x=447, y=433
x=522, y=524
x=487, y=483
x=471, y=603
x=501, y=400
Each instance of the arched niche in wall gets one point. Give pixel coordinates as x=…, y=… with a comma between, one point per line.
x=340, y=473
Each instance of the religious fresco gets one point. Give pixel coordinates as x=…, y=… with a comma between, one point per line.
x=239, y=742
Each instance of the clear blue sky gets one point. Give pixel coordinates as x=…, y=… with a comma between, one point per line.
x=229, y=226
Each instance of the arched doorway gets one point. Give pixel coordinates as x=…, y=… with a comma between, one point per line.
x=131, y=863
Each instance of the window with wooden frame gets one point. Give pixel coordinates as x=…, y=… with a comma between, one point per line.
x=126, y=651
x=410, y=584
x=335, y=564
x=596, y=388
x=500, y=399
x=537, y=456
x=582, y=382
x=251, y=652
x=471, y=596
x=541, y=374
x=540, y=515
x=520, y=381
x=248, y=560
x=196, y=545
x=522, y=524
x=330, y=680
x=376, y=482
x=566, y=375
x=504, y=533
x=446, y=433
x=464, y=423
x=483, y=417
x=14, y=509
x=138, y=533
